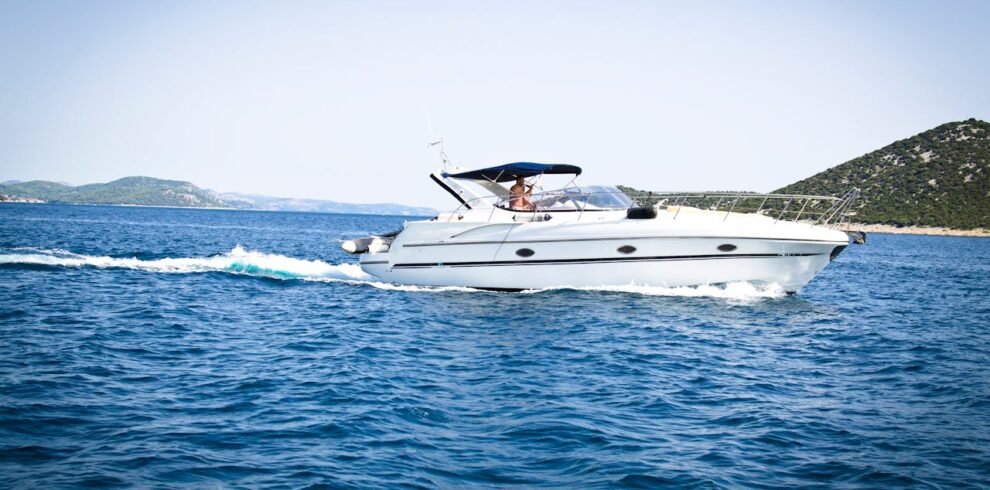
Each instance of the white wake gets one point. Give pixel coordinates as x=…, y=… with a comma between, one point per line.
x=259, y=264
x=237, y=261
x=731, y=291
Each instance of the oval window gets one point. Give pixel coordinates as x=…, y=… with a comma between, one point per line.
x=626, y=249
x=726, y=247
x=525, y=252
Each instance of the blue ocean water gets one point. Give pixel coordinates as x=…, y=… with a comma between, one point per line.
x=165, y=347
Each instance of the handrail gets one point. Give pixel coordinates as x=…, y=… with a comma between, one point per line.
x=816, y=210
x=663, y=195
x=782, y=211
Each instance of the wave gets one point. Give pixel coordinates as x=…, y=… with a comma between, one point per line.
x=731, y=291
x=237, y=261
x=259, y=264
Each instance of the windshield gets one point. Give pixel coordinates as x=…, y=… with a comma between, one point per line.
x=593, y=197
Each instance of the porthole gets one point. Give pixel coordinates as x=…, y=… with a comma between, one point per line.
x=525, y=252
x=626, y=249
x=726, y=247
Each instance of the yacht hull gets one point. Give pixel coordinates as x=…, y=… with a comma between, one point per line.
x=665, y=262
x=586, y=237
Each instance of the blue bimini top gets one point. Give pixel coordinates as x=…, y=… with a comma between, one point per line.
x=510, y=171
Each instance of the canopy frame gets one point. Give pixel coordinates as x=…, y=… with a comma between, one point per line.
x=511, y=171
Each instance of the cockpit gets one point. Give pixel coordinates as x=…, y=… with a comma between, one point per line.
x=489, y=187
x=575, y=198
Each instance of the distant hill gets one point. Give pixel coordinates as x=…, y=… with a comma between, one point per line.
x=936, y=178
x=268, y=203
x=148, y=191
x=144, y=191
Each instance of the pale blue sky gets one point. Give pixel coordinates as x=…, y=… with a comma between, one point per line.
x=330, y=99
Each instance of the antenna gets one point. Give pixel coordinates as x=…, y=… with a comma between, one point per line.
x=429, y=127
x=443, y=154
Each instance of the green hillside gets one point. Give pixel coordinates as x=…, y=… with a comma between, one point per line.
x=37, y=189
x=148, y=191
x=936, y=178
x=144, y=191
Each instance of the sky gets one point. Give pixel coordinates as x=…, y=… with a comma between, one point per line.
x=339, y=100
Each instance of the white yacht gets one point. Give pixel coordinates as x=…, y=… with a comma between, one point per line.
x=589, y=236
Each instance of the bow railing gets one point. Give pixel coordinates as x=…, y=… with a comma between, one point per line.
x=816, y=210
x=819, y=210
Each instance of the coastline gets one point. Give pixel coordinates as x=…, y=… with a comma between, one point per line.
x=916, y=230
x=868, y=228
x=204, y=208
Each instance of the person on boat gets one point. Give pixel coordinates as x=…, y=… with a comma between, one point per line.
x=519, y=195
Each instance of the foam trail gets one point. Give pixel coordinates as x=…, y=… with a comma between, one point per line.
x=732, y=291
x=259, y=264
x=237, y=261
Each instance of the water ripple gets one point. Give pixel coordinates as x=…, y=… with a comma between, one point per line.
x=162, y=347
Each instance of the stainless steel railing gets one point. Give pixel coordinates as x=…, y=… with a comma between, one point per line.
x=819, y=210
x=816, y=210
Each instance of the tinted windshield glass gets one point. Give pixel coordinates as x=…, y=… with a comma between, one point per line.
x=587, y=197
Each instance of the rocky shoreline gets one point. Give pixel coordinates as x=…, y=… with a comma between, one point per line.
x=916, y=230
x=9, y=198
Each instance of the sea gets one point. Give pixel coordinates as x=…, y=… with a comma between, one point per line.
x=162, y=348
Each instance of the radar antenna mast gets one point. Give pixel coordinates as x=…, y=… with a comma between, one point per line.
x=438, y=143
x=443, y=155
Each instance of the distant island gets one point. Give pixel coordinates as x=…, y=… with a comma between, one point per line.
x=933, y=182
x=149, y=191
